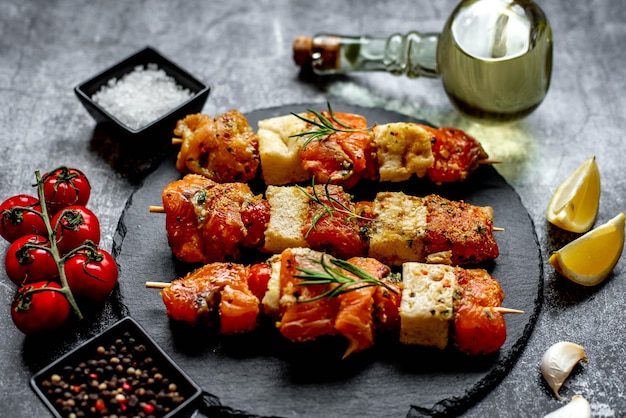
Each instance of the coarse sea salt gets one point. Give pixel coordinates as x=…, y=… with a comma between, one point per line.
x=141, y=96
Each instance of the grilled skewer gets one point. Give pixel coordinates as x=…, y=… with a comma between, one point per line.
x=331, y=147
x=208, y=221
x=311, y=294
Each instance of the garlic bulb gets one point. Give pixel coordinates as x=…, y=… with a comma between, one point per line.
x=558, y=362
x=578, y=407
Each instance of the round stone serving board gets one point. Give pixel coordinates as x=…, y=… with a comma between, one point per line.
x=261, y=374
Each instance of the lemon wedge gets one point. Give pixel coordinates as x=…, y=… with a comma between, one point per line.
x=590, y=258
x=574, y=204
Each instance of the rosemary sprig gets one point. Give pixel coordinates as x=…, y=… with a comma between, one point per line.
x=324, y=125
x=334, y=206
x=335, y=275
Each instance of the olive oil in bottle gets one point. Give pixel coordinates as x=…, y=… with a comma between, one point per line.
x=494, y=57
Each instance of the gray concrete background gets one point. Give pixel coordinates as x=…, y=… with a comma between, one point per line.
x=243, y=49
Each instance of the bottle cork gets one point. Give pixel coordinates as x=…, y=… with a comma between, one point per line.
x=320, y=52
x=302, y=49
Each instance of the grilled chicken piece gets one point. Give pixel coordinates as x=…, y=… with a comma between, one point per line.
x=208, y=221
x=216, y=294
x=224, y=149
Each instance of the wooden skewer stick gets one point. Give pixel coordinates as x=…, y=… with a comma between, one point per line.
x=157, y=285
x=161, y=209
x=489, y=162
x=177, y=141
x=500, y=309
x=504, y=310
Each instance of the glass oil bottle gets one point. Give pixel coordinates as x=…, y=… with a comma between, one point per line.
x=494, y=57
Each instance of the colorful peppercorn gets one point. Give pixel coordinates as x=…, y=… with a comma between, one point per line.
x=121, y=379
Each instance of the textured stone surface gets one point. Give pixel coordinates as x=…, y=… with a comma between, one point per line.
x=243, y=49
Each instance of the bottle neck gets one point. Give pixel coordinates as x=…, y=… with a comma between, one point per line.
x=413, y=54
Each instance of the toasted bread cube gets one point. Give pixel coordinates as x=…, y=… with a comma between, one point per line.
x=398, y=231
x=278, y=150
x=426, y=308
x=288, y=214
x=403, y=150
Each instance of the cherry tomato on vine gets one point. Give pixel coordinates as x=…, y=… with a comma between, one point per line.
x=15, y=221
x=65, y=187
x=28, y=260
x=36, y=308
x=73, y=226
x=91, y=275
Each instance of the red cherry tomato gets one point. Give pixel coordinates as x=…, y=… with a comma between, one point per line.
x=91, y=275
x=73, y=226
x=18, y=219
x=36, y=308
x=27, y=260
x=65, y=187
x=259, y=276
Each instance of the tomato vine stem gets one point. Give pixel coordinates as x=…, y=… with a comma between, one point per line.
x=54, y=250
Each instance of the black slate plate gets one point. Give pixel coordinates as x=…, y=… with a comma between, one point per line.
x=263, y=375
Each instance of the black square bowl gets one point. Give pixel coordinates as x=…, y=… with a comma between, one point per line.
x=160, y=128
x=91, y=372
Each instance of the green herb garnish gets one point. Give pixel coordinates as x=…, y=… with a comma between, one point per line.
x=335, y=275
x=324, y=125
x=334, y=205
